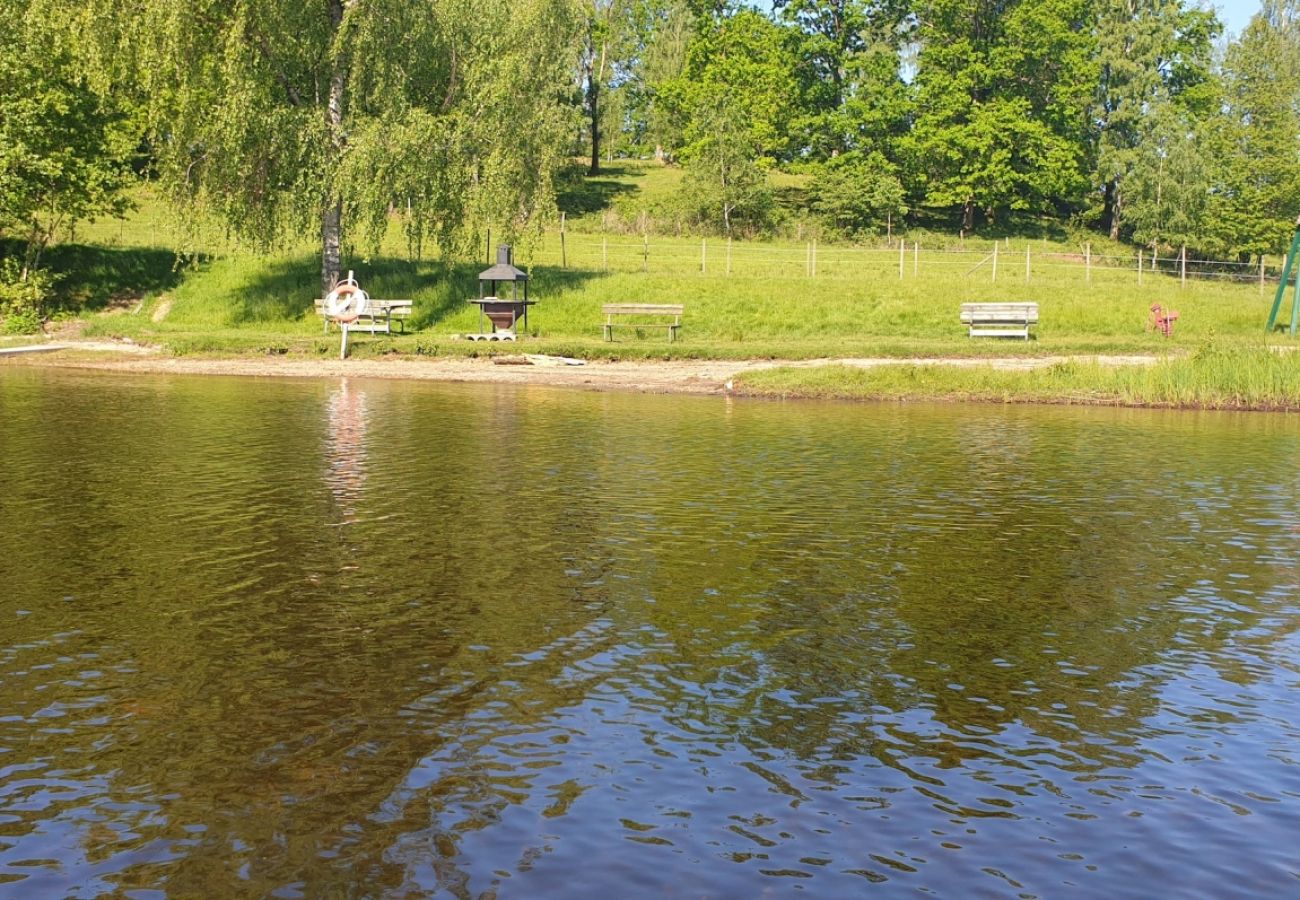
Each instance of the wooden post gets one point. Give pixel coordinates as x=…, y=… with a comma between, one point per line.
x=995, y=262
x=1182, y=267
x=916, y=258
x=728, y=256
x=1261, y=273
x=889, y=228
x=807, y=259
x=902, y=250
x=604, y=252
x=645, y=251
x=1087, y=262
x=1139, y=268
x=704, y=256
x=564, y=254
x=814, y=258
x=1026, y=263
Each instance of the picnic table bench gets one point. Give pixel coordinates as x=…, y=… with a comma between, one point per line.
x=999, y=319
x=638, y=313
x=378, y=317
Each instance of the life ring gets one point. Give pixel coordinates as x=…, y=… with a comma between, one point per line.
x=347, y=302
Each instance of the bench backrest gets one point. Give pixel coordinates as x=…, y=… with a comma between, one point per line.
x=392, y=307
x=642, y=309
x=999, y=312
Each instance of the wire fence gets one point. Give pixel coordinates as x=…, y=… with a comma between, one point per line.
x=1004, y=262
x=1025, y=263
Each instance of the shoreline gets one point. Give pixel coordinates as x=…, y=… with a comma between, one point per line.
x=703, y=376
x=1134, y=381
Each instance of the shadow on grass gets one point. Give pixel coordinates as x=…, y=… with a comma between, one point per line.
x=92, y=278
x=287, y=289
x=580, y=194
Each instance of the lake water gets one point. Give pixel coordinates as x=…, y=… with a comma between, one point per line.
x=276, y=638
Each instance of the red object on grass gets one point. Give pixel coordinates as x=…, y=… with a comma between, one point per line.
x=1162, y=320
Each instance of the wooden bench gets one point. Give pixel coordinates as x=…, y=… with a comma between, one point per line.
x=999, y=319
x=378, y=317
x=642, y=311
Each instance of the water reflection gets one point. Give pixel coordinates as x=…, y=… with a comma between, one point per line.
x=345, y=460
x=959, y=650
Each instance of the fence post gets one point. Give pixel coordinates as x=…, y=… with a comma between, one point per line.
x=916, y=258
x=604, y=252
x=1027, y=263
x=814, y=258
x=995, y=262
x=1139, y=268
x=1182, y=267
x=1261, y=273
x=728, y=256
x=645, y=251
x=902, y=249
x=1087, y=262
x=564, y=254
x=704, y=256
x=807, y=259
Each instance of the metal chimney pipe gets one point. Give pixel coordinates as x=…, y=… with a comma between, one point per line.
x=505, y=255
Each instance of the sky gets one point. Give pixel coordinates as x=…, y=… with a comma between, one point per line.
x=1236, y=13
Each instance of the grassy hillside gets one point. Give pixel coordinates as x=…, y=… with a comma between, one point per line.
x=743, y=299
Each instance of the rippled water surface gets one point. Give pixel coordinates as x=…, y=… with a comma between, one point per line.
x=360, y=638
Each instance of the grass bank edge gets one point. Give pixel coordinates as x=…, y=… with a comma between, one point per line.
x=1212, y=378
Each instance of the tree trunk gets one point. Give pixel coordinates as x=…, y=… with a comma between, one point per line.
x=967, y=217
x=1116, y=212
x=331, y=234
x=1108, y=204
x=593, y=111
x=331, y=229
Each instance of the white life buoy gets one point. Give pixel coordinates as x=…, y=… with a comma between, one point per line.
x=347, y=302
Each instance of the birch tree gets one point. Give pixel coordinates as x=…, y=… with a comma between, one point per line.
x=288, y=117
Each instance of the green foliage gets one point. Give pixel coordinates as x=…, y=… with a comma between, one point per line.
x=24, y=297
x=1000, y=101
x=723, y=185
x=744, y=62
x=1237, y=379
x=1257, y=191
x=282, y=117
x=1168, y=185
x=856, y=193
x=63, y=146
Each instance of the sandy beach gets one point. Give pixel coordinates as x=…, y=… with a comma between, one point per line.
x=663, y=376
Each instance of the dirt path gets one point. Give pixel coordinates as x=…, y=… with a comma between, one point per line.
x=676, y=376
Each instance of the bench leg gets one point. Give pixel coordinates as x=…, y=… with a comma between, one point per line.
x=609, y=333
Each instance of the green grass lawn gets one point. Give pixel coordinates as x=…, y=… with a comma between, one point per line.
x=1214, y=377
x=743, y=299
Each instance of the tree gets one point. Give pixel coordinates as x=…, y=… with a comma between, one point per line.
x=63, y=146
x=1150, y=52
x=1257, y=183
x=1168, y=187
x=858, y=192
x=743, y=62
x=285, y=116
x=854, y=96
x=723, y=183
x=606, y=34
x=1001, y=95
